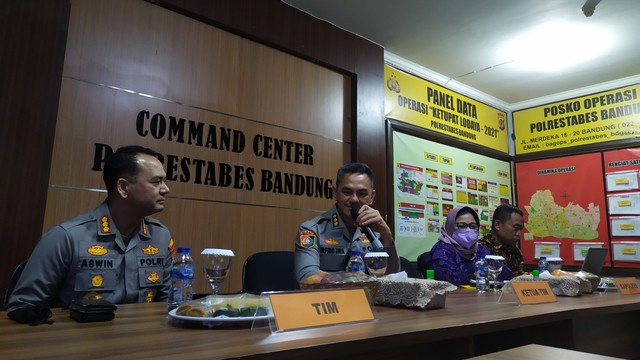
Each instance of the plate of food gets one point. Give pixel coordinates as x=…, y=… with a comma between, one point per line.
x=224, y=310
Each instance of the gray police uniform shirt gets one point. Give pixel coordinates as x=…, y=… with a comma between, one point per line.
x=86, y=257
x=324, y=243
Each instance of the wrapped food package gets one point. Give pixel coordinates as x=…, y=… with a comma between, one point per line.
x=341, y=280
x=413, y=293
x=560, y=285
x=228, y=306
x=589, y=281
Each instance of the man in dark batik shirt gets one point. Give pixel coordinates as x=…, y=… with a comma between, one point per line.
x=504, y=238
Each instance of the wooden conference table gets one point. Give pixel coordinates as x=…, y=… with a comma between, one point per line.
x=469, y=325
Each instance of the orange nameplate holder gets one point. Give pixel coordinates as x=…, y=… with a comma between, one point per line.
x=533, y=292
x=627, y=286
x=299, y=310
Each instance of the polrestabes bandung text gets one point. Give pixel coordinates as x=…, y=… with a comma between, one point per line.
x=205, y=172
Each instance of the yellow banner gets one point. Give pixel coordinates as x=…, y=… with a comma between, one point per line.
x=596, y=118
x=429, y=106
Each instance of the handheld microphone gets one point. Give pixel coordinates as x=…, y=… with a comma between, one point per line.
x=373, y=239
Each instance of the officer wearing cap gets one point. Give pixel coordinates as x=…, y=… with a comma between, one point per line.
x=114, y=252
x=325, y=242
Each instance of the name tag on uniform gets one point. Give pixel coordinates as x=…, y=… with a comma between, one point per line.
x=300, y=310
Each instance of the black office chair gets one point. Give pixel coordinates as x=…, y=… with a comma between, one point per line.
x=408, y=267
x=13, y=280
x=268, y=271
x=424, y=262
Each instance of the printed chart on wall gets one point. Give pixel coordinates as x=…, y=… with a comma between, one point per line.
x=430, y=179
x=564, y=205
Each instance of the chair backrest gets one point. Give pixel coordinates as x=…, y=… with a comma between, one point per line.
x=13, y=280
x=424, y=262
x=268, y=271
x=408, y=267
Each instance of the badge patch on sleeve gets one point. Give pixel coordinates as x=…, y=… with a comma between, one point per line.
x=307, y=238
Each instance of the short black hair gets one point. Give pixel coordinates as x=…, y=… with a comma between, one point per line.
x=504, y=212
x=123, y=163
x=353, y=168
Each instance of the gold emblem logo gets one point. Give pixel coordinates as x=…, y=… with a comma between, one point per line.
x=150, y=250
x=153, y=277
x=97, y=250
x=331, y=242
x=97, y=280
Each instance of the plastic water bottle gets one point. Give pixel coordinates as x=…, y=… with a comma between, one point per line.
x=543, y=264
x=482, y=270
x=182, y=270
x=355, y=262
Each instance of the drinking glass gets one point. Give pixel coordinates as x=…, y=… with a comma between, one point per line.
x=217, y=263
x=376, y=263
x=494, y=265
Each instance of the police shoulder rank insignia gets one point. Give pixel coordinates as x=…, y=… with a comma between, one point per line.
x=97, y=250
x=105, y=227
x=150, y=250
x=97, y=280
x=307, y=238
x=153, y=277
x=144, y=230
x=364, y=238
x=335, y=220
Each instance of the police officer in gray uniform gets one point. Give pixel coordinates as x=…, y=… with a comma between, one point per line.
x=114, y=252
x=325, y=242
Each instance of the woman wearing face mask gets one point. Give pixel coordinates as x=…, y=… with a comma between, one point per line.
x=453, y=257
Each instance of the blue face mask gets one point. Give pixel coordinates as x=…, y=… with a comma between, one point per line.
x=465, y=237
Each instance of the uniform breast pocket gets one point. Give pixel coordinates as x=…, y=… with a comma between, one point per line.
x=95, y=280
x=150, y=276
x=332, y=258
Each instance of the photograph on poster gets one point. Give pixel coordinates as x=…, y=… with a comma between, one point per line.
x=409, y=180
x=447, y=178
x=411, y=220
x=622, y=181
x=625, y=226
x=431, y=176
x=447, y=194
x=624, y=204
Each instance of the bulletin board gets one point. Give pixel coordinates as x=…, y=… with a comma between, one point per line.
x=564, y=207
x=430, y=178
x=622, y=177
